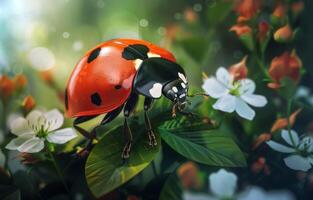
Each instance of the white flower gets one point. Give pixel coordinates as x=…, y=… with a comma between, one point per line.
x=300, y=151
x=37, y=127
x=223, y=185
x=233, y=95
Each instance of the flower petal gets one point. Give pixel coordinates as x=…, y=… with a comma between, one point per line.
x=191, y=196
x=297, y=162
x=279, y=147
x=16, y=142
x=243, y=110
x=247, y=86
x=223, y=184
x=223, y=76
x=20, y=126
x=254, y=100
x=33, y=145
x=226, y=103
x=34, y=117
x=62, y=136
x=55, y=118
x=306, y=144
x=294, y=135
x=214, y=88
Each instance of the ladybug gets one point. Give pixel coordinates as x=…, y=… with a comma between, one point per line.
x=110, y=78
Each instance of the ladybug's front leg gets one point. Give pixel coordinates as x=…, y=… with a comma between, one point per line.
x=151, y=136
x=128, y=109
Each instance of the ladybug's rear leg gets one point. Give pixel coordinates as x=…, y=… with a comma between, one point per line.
x=92, y=136
x=147, y=105
x=128, y=109
x=82, y=131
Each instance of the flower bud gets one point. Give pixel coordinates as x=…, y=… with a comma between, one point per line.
x=7, y=87
x=282, y=123
x=239, y=70
x=279, y=11
x=263, y=30
x=47, y=77
x=188, y=173
x=297, y=7
x=247, y=9
x=244, y=32
x=286, y=65
x=20, y=81
x=284, y=34
x=28, y=103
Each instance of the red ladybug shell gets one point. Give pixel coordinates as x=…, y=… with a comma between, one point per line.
x=102, y=80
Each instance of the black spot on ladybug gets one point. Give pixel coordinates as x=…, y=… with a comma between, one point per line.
x=118, y=87
x=94, y=54
x=96, y=99
x=135, y=51
x=66, y=99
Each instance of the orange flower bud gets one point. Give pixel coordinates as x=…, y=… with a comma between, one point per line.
x=239, y=70
x=260, y=140
x=20, y=81
x=248, y=8
x=297, y=7
x=7, y=87
x=286, y=65
x=283, y=122
x=190, y=15
x=47, y=77
x=241, y=29
x=188, y=173
x=284, y=34
x=28, y=103
x=260, y=165
x=263, y=30
x=279, y=11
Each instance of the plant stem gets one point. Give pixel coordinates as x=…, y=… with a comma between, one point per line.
x=58, y=170
x=260, y=62
x=289, y=104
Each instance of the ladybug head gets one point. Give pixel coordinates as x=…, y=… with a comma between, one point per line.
x=177, y=91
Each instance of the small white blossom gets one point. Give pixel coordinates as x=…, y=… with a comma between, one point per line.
x=223, y=185
x=233, y=95
x=300, y=150
x=37, y=127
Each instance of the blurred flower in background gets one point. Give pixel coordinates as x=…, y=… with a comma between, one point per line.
x=300, y=150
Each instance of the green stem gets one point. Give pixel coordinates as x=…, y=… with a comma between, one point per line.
x=260, y=62
x=289, y=104
x=58, y=170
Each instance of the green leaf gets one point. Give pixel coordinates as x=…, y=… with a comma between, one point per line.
x=210, y=147
x=105, y=170
x=172, y=189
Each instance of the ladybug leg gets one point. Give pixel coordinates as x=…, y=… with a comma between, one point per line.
x=128, y=109
x=85, y=133
x=147, y=105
